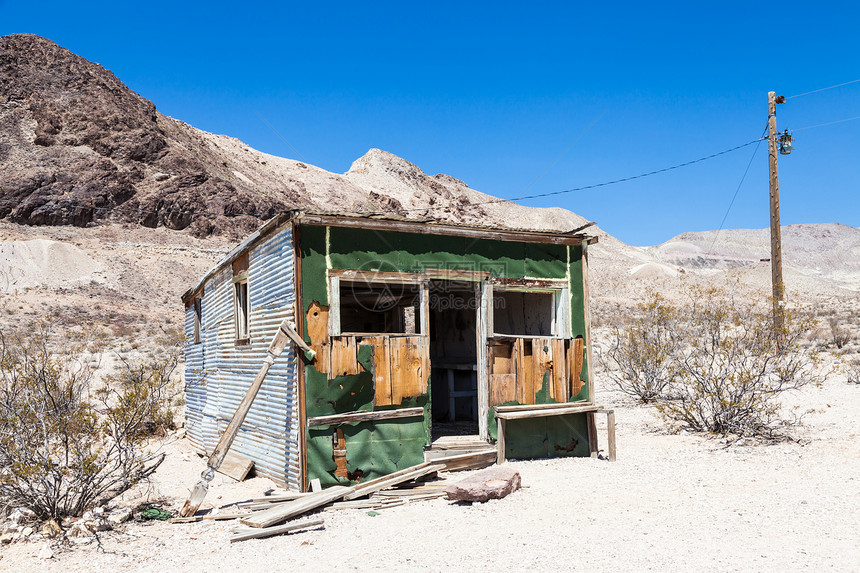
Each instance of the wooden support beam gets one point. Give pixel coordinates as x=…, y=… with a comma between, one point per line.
x=610, y=434
x=500, y=441
x=363, y=416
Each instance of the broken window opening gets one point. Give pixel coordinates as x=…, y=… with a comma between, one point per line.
x=198, y=319
x=524, y=313
x=242, y=307
x=379, y=307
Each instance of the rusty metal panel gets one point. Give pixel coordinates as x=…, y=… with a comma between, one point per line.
x=270, y=434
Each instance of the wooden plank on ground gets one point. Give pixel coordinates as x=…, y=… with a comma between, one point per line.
x=558, y=387
x=467, y=461
x=284, y=511
x=235, y=466
x=392, y=480
x=270, y=531
x=209, y=517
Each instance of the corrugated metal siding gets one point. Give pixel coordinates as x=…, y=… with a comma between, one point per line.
x=270, y=435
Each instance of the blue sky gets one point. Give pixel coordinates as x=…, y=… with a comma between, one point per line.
x=512, y=98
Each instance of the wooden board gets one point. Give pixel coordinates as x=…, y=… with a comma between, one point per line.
x=520, y=361
x=542, y=356
x=503, y=388
x=344, y=357
x=502, y=353
x=235, y=466
x=270, y=531
x=365, y=416
x=575, y=363
x=393, y=479
x=283, y=511
x=407, y=367
x=558, y=385
x=468, y=461
x=317, y=322
x=339, y=455
x=381, y=369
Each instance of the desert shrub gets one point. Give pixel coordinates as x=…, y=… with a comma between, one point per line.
x=735, y=361
x=839, y=335
x=853, y=371
x=66, y=446
x=641, y=359
x=715, y=363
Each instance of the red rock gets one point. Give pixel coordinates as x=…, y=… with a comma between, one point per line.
x=492, y=483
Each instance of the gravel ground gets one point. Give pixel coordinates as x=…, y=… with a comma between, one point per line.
x=670, y=503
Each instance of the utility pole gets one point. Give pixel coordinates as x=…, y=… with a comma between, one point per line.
x=775, y=235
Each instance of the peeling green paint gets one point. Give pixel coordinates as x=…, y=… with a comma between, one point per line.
x=547, y=437
x=380, y=447
x=374, y=448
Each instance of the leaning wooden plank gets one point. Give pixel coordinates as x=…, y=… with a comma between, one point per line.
x=283, y=511
x=467, y=461
x=270, y=531
x=392, y=480
x=364, y=416
x=279, y=342
x=235, y=466
x=404, y=471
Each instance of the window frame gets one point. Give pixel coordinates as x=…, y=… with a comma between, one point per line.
x=560, y=291
x=242, y=323
x=336, y=277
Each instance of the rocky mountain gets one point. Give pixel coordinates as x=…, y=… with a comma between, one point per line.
x=77, y=147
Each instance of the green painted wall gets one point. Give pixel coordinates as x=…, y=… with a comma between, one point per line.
x=379, y=448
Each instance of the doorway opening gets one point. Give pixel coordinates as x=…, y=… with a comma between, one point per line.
x=454, y=357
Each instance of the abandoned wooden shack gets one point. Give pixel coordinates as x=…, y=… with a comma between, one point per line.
x=421, y=331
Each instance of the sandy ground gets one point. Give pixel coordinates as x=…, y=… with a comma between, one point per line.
x=670, y=503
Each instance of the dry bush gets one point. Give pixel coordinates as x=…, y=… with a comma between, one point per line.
x=852, y=369
x=641, y=359
x=716, y=364
x=839, y=335
x=66, y=447
x=736, y=360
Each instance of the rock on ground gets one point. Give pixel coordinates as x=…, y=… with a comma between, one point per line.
x=494, y=482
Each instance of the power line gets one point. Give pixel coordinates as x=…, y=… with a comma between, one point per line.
x=824, y=89
x=723, y=222
x=828, y=123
